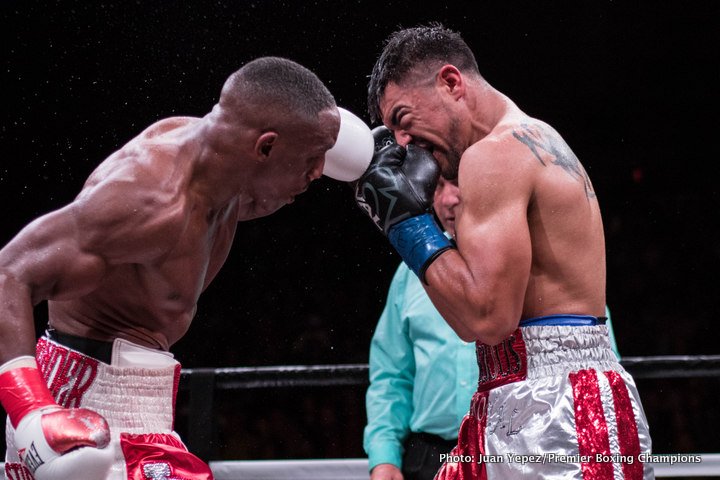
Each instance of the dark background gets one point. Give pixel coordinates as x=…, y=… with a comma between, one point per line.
x=631, y=85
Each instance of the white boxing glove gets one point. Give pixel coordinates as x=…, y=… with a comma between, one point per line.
x=53, y=442
x=64, y=443
x=348, y=159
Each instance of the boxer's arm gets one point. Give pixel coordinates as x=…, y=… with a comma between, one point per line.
x=480, y=287
x=66, y=253
x=44, y=261
x=62, y=255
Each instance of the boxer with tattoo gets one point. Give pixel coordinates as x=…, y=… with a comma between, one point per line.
x=525, y=279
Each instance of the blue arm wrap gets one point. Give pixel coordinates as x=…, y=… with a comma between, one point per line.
x=419, y=241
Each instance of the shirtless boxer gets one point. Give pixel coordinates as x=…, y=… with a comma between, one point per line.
x=123, y=265
x=526, y=279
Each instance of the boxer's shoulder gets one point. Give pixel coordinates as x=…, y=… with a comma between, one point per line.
x=170, y=125
x=519, y=144
x=498, y=153
x=131, y=214
x=155, y=153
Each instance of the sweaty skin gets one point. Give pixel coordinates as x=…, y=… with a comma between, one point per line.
x=529, y=233
x=152, y=226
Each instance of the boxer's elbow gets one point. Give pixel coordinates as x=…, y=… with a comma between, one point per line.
x=492, y=324
x=8, y=280
x=495, y=334
x=11, y=286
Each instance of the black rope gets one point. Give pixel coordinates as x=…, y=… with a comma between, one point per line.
x=284, y=376
x=667, y=366
x=201, y=382
x=673, y=366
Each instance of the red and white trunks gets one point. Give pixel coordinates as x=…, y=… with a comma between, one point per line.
x=136, y=395
x=552, y=402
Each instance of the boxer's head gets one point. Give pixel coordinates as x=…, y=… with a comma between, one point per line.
x=288, y=117
x=415, y=88
x=412, y=55
x=274, y=87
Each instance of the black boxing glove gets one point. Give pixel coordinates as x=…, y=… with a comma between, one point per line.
x=398, y=184
x=397, y=192
x=382, y=136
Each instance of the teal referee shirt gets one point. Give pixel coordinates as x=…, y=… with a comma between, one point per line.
x=422, y=376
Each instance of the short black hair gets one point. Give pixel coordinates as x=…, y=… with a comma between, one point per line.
x=278, y=84
x=407, y=49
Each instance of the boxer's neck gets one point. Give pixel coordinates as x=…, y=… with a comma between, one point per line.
x=220, y=170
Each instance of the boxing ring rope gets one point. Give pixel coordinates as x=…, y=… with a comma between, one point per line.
x=201, y=383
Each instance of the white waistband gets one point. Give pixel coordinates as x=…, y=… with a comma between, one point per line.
x=128, y=354
x=553, y=350
x=134, y=399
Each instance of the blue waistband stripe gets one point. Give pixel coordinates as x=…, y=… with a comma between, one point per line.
x=563, y=321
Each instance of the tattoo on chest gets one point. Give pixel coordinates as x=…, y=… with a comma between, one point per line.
x=555, y=150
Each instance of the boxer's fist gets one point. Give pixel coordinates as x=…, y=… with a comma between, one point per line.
x=399, y=184
x=353, y=149
x=382, y=136
x=52, y=441
x=397, y=193
x=57, y=443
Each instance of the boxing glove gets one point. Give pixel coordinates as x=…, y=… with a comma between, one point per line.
x=382, y=137
x=348, y=159
x=53, y=442
x=397, y=192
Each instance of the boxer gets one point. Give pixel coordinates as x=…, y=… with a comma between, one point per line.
x=123, y=265
x=526, y=278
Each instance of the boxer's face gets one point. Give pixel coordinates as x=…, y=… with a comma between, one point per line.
x=445, y=203
x=424, y=116
x=297, y=158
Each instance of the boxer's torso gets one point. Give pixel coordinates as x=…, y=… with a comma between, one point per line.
x=568, y=241
x=174, y=249
x=567, y=273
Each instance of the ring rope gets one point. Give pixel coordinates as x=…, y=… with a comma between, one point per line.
x=662, y=366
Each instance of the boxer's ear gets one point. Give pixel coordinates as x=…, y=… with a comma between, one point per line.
x=451, y=80
x=264, y=145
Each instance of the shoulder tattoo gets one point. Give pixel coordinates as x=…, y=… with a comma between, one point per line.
x=552, y=149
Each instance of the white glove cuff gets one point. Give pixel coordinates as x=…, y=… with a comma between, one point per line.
x=18, y=362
